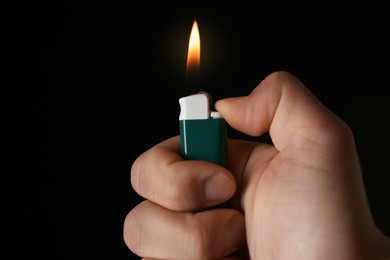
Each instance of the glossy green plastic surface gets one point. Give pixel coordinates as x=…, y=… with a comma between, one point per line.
x=204, y=140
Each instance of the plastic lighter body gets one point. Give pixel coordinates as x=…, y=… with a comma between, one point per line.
x=203, y=133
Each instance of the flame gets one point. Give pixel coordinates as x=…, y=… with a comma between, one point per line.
x=193, y=58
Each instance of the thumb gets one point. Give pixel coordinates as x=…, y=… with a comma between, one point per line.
x=282, y=105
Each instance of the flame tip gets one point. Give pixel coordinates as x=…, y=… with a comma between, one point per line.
x=193, y=58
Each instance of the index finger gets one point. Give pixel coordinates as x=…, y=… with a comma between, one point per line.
x=164, y=177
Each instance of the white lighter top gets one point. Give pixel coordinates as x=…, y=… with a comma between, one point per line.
x=196, y=106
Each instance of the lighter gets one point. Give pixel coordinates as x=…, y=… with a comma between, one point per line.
x=203, y=132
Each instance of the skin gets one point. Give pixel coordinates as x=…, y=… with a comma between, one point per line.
x=300, y=198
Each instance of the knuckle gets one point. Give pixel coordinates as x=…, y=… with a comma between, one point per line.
x=180, y=198
x=136, y=233
x=281, y=78
x=130, y=228
x=135, y=172
x=176, y=197
x=201, y=244
x=203, y=241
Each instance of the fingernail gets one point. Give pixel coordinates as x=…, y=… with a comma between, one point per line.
x=218, y=188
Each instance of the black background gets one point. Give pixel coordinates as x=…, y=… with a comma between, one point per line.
x=90, y=85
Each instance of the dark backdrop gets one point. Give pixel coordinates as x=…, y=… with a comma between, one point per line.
x=94, y=84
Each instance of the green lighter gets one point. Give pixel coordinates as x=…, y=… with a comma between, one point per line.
x=203, y=133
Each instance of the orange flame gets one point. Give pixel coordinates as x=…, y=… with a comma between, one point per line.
x=193, y=58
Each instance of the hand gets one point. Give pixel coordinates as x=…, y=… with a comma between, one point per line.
x=300, y=198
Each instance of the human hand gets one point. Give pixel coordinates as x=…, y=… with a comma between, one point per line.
x=300, y=198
